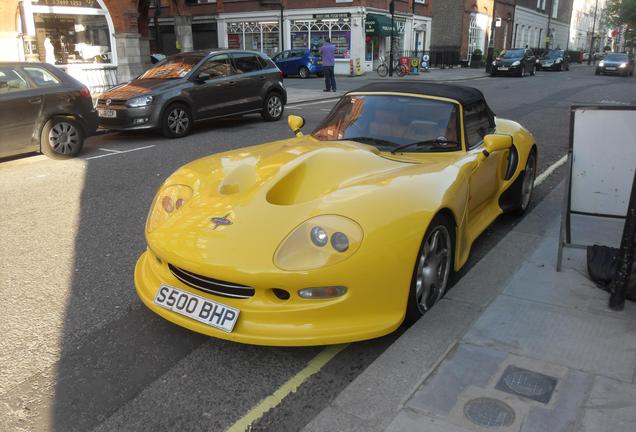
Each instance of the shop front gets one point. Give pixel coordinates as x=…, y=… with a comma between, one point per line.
x=378, y=39
x=74, y=35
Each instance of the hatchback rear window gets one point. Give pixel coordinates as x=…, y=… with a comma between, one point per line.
x=245, y=62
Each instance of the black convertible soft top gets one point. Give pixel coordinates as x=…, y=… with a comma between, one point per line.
x=467, y=96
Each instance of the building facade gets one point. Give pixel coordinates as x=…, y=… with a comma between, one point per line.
x=542, y=23
x=583, y=24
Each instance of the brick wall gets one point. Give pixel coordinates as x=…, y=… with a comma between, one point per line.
x=448, y=22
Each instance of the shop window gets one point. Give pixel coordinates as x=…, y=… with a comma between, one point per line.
x=41, y=77
x=66, y=39
x=312, y=34
x=257, y=36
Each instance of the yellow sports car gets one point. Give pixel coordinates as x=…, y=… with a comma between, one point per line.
x=339, y=235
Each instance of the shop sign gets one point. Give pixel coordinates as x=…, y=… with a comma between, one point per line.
x=69, y=3
x=332, y=16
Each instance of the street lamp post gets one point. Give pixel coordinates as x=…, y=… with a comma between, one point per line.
x=392, y=10
x=589, y=58
x=548, y=33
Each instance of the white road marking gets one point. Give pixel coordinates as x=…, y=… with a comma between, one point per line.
x=109, y=150
x=545, y=174
x=118, y=153
x=312, y=103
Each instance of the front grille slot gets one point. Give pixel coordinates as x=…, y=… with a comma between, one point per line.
x=113, y=102
x=211, y=286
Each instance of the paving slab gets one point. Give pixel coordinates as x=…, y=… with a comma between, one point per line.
x=605, y=346
x=411, y=421
x=610, y=407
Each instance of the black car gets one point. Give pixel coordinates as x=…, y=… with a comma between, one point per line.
x=43, y=109
x=558, y=60
x=616, y=64
x=193, y=86
x=517, y=61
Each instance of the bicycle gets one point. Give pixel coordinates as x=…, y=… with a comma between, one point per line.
x=398, y=68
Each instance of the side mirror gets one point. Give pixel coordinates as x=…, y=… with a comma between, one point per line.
x=203, y=77
x=295, y=124
x=494, y=142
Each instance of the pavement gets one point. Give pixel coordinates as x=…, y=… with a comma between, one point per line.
x=513, y=346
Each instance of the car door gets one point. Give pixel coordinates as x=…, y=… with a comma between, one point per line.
x=487, y=177
x=250, y=80
x=20, y=106
x=215, y=95
x=295, y=61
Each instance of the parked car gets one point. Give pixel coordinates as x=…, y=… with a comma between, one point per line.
x=517, y=61
x=301, y=62
x=188, y=87
x=616, y=64
x=42, y=109
x=554, y=60
x=339, y=235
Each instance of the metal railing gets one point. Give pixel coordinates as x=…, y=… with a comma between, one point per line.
x=97, y=78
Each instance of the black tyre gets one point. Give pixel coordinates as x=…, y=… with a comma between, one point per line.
x=303, y=72
x=532, y=71
x=528, y=177
x=176, y=121
x=272, y=107
x=433, y=268
x=382, y=70
x=493, y=74
x=61, y=138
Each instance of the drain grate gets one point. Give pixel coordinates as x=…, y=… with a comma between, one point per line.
x=528, y=384
x=489, y=412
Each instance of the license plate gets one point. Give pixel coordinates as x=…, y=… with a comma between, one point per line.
x=108, y=113
x=319, y=62
x=198, y=308
x=503, y=68
x=610, y=68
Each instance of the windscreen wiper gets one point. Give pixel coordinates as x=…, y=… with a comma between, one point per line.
x=426, y=142
x=372, y=140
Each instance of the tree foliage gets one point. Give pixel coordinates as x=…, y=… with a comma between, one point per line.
x=621, y=12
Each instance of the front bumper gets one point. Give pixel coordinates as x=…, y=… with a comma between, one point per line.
x=372, y=307
x=129, y=118
x=509, y=69
x=612, y=70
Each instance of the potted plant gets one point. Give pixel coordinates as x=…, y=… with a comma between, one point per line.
x=475, y=59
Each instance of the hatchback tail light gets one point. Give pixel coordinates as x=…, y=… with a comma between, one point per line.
x=85, y=92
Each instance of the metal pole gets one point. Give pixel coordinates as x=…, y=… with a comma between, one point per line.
x=548, y=34
x=491, y=42
x=282, y=31
x=625, y=257
x=589, y=59
x=392, y=10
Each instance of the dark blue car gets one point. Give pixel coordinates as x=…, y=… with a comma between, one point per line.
x=299, y=62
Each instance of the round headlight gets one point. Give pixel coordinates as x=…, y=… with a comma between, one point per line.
x=339, y=241
x=319, y=236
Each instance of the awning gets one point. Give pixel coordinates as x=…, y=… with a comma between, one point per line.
x=380, y=25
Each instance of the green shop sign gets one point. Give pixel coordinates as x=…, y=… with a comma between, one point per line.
x=380, y=25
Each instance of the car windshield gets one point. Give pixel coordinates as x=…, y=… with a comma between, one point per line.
x=553, y=55
x=388, y=122
x=616, y=57
x=510, y=54
x=172, y=68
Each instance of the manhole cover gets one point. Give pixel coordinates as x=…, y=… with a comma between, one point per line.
x=489, y=412
x=523, y=382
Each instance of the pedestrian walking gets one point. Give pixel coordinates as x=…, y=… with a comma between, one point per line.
x=327, y=51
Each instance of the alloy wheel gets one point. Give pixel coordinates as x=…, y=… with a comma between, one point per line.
x=64, y=138
x=178, y=120
x=433, y=268
x=274, y=106
x=528, y=181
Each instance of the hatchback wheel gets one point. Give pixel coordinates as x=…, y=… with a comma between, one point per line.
x=303, y=72
x=272, y=107
x=433, y=268
x=176, y=121
x=62, y=138
x=527, y=184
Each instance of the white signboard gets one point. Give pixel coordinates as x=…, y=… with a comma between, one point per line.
x=602, y=161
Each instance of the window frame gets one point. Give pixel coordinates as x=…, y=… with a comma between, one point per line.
x=210, y=58
x=57, y=81
x=238, y=71
x=30, y=85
